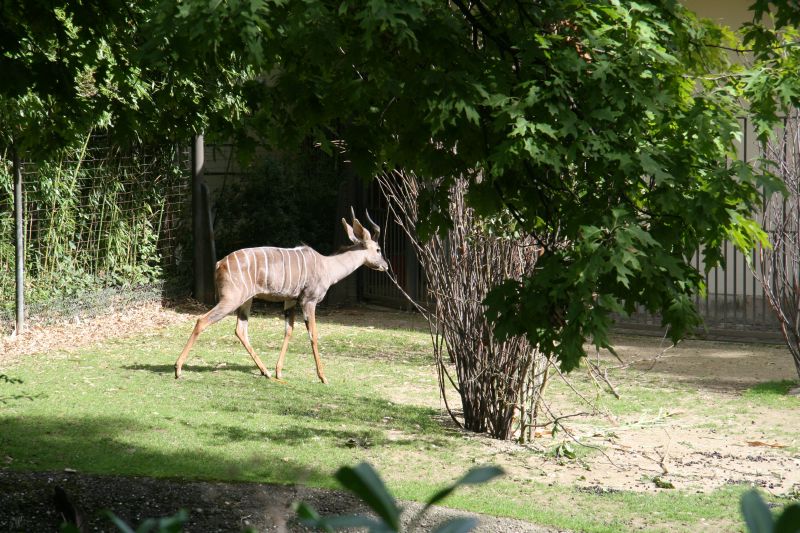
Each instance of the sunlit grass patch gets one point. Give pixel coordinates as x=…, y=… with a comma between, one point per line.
x=773, y=393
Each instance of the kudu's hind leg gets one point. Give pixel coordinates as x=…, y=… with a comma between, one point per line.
x=220, y=311
x=288, y=313
x=309, y=312
x=242, y=314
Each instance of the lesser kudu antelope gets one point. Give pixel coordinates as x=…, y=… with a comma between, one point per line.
x=288, y=275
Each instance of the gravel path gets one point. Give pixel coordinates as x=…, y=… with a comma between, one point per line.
x=26, y=504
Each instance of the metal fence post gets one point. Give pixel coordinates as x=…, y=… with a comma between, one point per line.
x=201, y=223
x=19, y=244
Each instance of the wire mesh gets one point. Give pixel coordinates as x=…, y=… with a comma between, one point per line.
x=104, y=225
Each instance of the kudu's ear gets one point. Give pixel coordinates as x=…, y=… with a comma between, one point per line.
x=349, y=230
x=360, y=231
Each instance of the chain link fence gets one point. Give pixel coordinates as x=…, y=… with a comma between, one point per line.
x=104, y=226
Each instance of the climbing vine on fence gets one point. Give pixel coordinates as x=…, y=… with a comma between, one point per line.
x=96, y=217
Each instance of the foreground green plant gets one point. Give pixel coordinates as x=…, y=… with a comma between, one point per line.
x=759, y=518
x=167, y=524
x=365, y=483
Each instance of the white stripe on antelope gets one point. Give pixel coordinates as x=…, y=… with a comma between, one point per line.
x=288, y=275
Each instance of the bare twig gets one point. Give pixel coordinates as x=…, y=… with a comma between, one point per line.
x=594, y=369
x=663, y=462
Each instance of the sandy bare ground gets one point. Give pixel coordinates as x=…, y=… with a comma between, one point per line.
x=75, y=333
x=715, y=438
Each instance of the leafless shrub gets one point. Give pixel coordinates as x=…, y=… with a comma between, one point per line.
x=499, y=382
x=780, y=266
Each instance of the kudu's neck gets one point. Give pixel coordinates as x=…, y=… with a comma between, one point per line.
x=341, y=265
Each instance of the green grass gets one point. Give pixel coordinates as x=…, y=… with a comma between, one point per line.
x=578, y=510
x=116, y=409
x=773, y=394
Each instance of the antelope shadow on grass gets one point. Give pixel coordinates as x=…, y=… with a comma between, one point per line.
x=170, y=368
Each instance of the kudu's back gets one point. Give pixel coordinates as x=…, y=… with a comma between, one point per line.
x=274, y=274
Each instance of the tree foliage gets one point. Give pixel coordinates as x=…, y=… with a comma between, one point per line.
x=61, y=72
x=69, y=67
x=772, y=85
x=599, y=126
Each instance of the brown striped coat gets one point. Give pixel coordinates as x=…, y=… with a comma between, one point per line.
x=290, y=275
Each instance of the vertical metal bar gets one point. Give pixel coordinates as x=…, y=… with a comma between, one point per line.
x=716, y=292
x=784, y=250
x=359, y=193
x=735, y=279
x=792, y=122
x=707, y=274
x=697, y=267
x=725, y=285
x=412, y=271
x=203, y=276
x=755, y=268
x=745, y=271
x=764, y=200
x=19, y=244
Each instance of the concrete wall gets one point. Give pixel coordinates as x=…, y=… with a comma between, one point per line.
x=732, y=13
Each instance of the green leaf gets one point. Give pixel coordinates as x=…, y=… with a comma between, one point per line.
x=121, y=525
x=663, y=483
x=308, y=515
x=789, y=520
x=365, y=483
x=473, y=477
x=756, y=514
x=565, y=449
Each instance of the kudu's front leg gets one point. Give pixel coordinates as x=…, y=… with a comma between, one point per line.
x=288, y=313
x=242, y=314
x=309, y=312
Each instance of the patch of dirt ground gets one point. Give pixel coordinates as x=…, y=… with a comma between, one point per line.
x=27, y=504
x=77, y=332
x=719, y=438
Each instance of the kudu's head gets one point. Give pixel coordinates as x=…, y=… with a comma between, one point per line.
x=361, y=236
